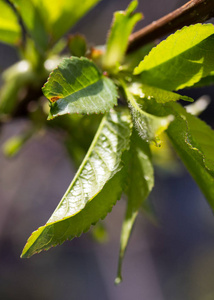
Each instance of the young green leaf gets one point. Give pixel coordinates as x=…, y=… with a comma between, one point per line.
x=10, y=30
x=141, y=182
x=181, y=60
x=77, y=86
x=94, y=190
x=123, y=24
x=159, y=95
x=148, y=125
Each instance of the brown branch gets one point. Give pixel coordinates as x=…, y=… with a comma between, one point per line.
x=194, y=11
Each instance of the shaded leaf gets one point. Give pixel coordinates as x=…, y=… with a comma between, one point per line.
x=131, y=60
x=198, y=136
x=10, y=30
x=141, y=182
x=193, y=140
x=123, y=24
x=77, y=45
x=181, y=60
x=94, y=190
x=77, y=86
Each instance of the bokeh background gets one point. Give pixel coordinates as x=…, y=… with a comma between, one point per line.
x=171, y=260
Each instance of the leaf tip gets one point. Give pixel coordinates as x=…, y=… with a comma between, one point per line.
x=118, y=280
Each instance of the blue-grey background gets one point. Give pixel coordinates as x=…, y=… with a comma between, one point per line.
x=171, y=261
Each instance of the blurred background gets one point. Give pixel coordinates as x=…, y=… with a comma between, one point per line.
x=173, y=259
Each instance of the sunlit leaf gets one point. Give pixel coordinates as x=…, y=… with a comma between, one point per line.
x=77, y=86
x=123, y=24
x=181, y=60
x=159, y=95
x=94, y=190
x=10, y=30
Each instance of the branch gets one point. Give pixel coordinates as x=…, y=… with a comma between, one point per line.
x=194, y=11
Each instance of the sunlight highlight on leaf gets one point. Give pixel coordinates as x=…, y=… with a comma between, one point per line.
x=94, y=190
x=181, y=60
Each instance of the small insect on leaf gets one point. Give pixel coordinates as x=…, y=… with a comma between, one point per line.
x=54, y=99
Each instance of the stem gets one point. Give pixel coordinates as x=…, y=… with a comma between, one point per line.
x=21, y=23
x=194, y=11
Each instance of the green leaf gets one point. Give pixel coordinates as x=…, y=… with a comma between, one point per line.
x=123, y=24
x=198, y=136
x=205, y=81
x=94, y=190
x=159, y=95
x=10, y=30
x=33, y=21
x=77, y=86
x=141, y=182
x=63, y=14
x=181, y=60
x=149, y=126
x=194, y=142
x=77, y=45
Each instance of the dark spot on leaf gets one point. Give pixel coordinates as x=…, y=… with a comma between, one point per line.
x=54, y=99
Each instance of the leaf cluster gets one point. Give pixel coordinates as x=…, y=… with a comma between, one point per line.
x=133, y=105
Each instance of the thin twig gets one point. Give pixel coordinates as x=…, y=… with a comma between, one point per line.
x=194, y=11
